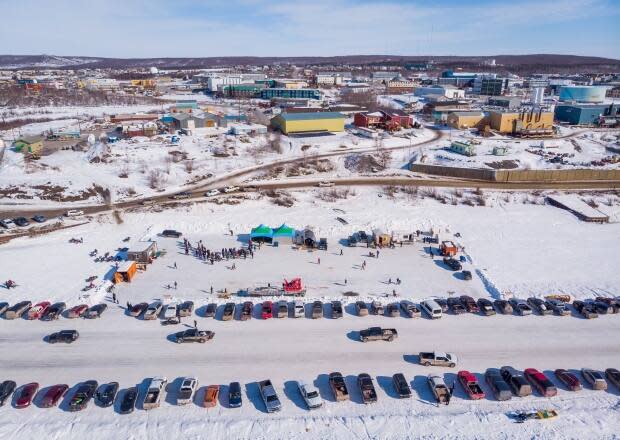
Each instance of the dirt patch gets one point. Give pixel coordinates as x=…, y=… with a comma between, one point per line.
x=503, y=165
x=362, y=163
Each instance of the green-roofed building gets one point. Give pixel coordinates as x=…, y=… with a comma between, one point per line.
x=314, y=122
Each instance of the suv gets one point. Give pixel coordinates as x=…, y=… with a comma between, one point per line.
x=453, y=264
x=170, y=233
x=66, y=336
x=193, y=335
x=516, y=381
x=336, y=309
x=520, y=306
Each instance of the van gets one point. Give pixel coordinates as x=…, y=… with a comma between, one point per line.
x=432, y=308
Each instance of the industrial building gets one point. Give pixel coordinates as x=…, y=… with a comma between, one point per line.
x=295, y=123
x=467, y=119
x=464, y=147
x=445, y=91
x=523, y=123
x=509, y=102
x=400, y=85
x=290, y=93
x=241, y=90
x=588, y=94
x=588, y=114
x=489, y=85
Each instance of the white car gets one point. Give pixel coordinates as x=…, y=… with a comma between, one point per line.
x=154, y=393
x=299, y=309
x=432, y=308
x=7, y=223
x=230, y=189
x=212, y=192
x=74, y=213
x=325, y=184
x=311, y=395
x=170, y=311
x=186, y=390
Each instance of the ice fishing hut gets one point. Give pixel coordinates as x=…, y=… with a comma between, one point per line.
x=447, y=248
x=380, y=238
x=283, y=234
x=305, y=238
x=143, y=252
x=125, y=272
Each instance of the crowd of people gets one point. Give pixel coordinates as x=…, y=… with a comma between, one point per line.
x=200, y=251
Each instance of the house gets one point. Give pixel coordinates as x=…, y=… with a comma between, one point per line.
x=247, y=129
x=448, y=249
x=466, y=148
x=125, y=272
x=143, y=252
x=315, y=122
x=29, y=145
x=392, y=120
x=185, y=106
x=186, y=121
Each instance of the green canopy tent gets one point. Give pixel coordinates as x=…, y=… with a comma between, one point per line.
x=262, y=233
x=283, y=234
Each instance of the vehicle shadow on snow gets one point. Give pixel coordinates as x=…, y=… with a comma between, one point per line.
x=172, y=338
x=291, y=390
x=349, y=309
x=253, y=392
x=38, y=398
x=201, y=311
x=119, y=399
x=451, y=378
x=387, y=384
x=223, y=396
x=322, y=383
x=143, y=388
x=411, y=358
x=199, y=396
x=419, y=384
x=354, y=392
x=354, y=335
x=172, y=390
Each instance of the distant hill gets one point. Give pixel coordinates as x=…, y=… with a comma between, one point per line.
x=517, y=61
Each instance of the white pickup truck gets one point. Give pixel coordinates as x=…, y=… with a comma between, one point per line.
x=154, y=393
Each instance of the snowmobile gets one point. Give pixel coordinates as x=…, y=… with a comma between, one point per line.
x=522, y=416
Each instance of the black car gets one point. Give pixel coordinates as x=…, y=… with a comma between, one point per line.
x=83, y=395
x=401, y=386
x=443, y=303
x=234, y=395
x=539, y=305
x=453, y=264
x=129, y=401
x=39, y=218
x=466, y=275
x=21, y=221
x=336, y=309
x=186, y=308
x=503, y=306
x=210, y=310
x=317, y=309
x=614, y=305
x=193, y=335
x=456, y=306
x=106, y=393
x=585, y=309
x=170, y=233
x=498, y=385
x=600, y=307
x=229, y=311
x=6, y=389
x=486, y=307
x=181, y=195
x=54, y=311
x=66, y=336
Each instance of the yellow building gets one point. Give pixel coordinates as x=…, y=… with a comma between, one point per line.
x=290, y=123
x=463, y=120
x=29, y=145
x=525, y=122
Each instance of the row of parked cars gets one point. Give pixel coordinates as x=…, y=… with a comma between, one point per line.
x=47, y=311
x=503, y=382
x=9, y=223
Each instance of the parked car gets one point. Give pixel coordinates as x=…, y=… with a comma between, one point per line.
x=518, y=384
x=437, y=358
x=336, y=309
x=600, y=307
x=453, y=264
x=171, y=233
x=378, y=334
x=137, y=309
x=74, y=213
x=186, y=308
x=325, y=184
x=431, y=308
x=539, y=305
x=317, y=310
x=186, y=390
x=170, y=310
x=613, y=376
x=17, y=310
x=558, y=307
x=521, y=307
x=228, y=313
x=614, y=305
x=361, y=308
x=77, y=311
x=466, y=275
x=128, y=403
x=486, y=307
x=338, y=386
x=282, y=309
x=584, y=309
x=376, y=308
x=210, y=310
x=181, y=195
x=212, y=192
x=3, y=307
x=21, y=221
x=439, y=389
x=211, y=396
x=53, y=395
x=266, y=310
x=541, y=382
x=39, y=218
x=66, y=336
x=498, y=385
x=401, y=386
x=503, y=306
x=37, y=311
x=269, y=395
x=96, y=311
x=455, y=305
x=54, y=311
x=310, y=394
x=155, y=390
x=230, y=189
x=469, y=303
x=410, y=309
x=443, y=304
x=392, y=310
x=299, y=310
x=470, y=385
x=153, y=310
x=25, y=394
x=7, y=223
x=234, y=395
x=82, y=395
x=246, y=311
x=6, y=390
x=193, y=335
x=367, y=388
x=595, y=378
x=568, y=379
x=106, y=393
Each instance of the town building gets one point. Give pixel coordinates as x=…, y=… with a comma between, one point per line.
x=588, y=114
x=489, y=85
x=449, y=92
x=586, y=94
x=32, y=145
x=509, y=102
x=387, y=120
x=290, y=93
x=467, y=119
x=464, y=147
x=522, y=123
x=296, y=123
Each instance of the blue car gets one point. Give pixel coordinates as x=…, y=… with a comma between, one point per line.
x=234, y=395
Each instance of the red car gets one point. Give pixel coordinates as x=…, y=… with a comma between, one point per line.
x=569, y=380
x=38, y=310
x=77, y=311
x=26, y=394
x=267, y=310
x=470, y=304
x=540, y=382
x=53, y=395
x=470, y=385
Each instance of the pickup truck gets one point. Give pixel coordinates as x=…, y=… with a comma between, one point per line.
x=338, y=386
x=470, y=385
x=193, y=335
x=378, y=334
x=154, y=394
x=152, y=310
x=439, y=389
x=269, y=395
x=369, y=395
x=438, y=358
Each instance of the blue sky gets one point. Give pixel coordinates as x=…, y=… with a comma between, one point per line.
x=192, y=28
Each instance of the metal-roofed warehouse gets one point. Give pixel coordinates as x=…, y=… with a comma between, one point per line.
x=315, y=122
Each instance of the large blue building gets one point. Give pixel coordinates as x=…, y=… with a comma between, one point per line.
x=586, y=114
x=290, y=93
x=589, y=94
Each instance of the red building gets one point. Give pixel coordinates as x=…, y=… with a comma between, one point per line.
x=392, y=120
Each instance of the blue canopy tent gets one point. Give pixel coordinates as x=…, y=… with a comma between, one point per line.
x=262, y=233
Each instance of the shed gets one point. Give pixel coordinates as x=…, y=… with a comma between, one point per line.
x=262, y=233
x=284, y=234
x=125, y=272
x=143, y=252
x=306, y=238
x=381, y=238
x=29, y=144
x=448, y=248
